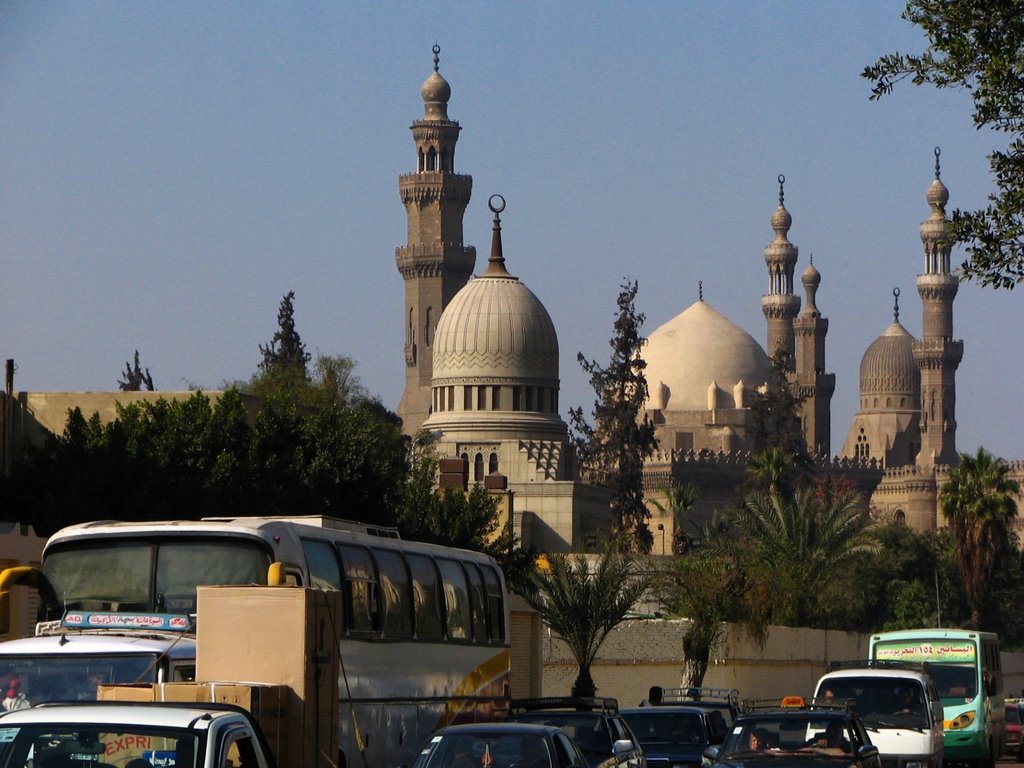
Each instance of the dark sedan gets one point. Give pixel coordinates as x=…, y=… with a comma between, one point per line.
x=817, y=736
x=500, y=745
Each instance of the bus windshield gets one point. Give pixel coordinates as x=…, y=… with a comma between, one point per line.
x=31, y=679
x=155, y=575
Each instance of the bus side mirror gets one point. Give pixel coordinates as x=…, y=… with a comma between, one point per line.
x=21, y=575
x=276, y=575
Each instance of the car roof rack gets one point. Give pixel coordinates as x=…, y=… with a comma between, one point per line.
x=794, y=703
x=578, y=703
x=691, y=693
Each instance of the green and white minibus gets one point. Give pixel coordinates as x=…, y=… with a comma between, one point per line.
x=966, y=669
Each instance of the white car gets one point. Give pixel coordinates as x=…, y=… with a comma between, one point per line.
x=108, y=734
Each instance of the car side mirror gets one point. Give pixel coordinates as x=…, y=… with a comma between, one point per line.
x=867, y=751
x=712, y=753
x=621, y=747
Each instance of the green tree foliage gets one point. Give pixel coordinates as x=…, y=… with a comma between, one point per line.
x=976, y=46
x=790, y=547
x=679, y=500
x=615, y=447
x=702, y=588
x=284, y=368
x=194, y=458
x=582, y=602
x=775, y=413
x=979, y=507
x=286, y=350
x=135, y=379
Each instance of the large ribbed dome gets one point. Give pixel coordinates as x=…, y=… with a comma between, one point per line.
x=888, y=367
x=496, y=328
x=695, y=349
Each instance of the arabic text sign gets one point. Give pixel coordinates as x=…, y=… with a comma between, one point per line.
x=927, y=650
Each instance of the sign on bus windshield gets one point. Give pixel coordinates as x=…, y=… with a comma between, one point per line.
x=951, y=651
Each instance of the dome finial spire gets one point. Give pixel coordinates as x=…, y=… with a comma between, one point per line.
x=782, y=193
x=700, y=290
x=896, y=305
x=437, y=57
x=496, y=262
x=938, y=152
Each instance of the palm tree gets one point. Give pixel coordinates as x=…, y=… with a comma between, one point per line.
x=978, y=503
x=771, y=470
x=793, y=546
x=679, y=499
x=582, y=603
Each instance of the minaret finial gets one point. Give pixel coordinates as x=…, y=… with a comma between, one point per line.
x=782, y=194
x=496, y=262
x=700, y=290
x=937, y=153
x=896, y=305
x=812, y=259
x=437, y=58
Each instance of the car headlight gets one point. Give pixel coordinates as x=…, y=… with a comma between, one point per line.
x=960, y=721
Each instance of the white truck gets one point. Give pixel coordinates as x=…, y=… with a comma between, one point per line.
x=898, y=704
x=110, y=734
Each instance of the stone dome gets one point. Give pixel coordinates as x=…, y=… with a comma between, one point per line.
x=696, y=349
x=495, y=328
x=888, y=369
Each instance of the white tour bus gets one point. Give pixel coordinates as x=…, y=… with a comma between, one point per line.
x=425, y=639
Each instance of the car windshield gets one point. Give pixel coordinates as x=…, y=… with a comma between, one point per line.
x=792, y=736
x=133, y=575
x=881, y=701
x=79, y=746
x=666, y=727
x=488, y=750
x=34, y=679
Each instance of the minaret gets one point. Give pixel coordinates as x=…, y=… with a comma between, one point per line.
x=937, y=354
x=810, y=379
x=780, y=305
x=434, y=264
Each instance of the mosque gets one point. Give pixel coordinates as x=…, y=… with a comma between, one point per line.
x=481, y=356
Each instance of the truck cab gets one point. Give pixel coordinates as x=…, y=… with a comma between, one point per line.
x=898, y=705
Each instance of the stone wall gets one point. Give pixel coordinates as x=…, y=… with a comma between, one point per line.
x=646, y=652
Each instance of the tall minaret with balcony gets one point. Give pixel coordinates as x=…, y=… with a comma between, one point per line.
x=810, y=379
x=434, y=264
x=780, y=305
x=937, y=354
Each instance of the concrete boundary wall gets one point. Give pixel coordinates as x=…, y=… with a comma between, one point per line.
x=645, y=652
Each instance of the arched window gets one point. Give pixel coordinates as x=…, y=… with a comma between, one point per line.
x=428, y=327
x=478, y=468
x=899, y=516
x=492, y=464
x=432, y=159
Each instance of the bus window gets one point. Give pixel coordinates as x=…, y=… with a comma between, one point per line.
x=495, y=605
x=394, y=587
x=424, y=596
x=456, y=599
x=362, y=608
x=322, y=563
x=78, y=583
x=183, y=565
x=478, y=602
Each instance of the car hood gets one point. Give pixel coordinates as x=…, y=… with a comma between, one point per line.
x=665, y=749
x=805, y=760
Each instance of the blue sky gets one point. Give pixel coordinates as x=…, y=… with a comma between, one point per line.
x=169, y=170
